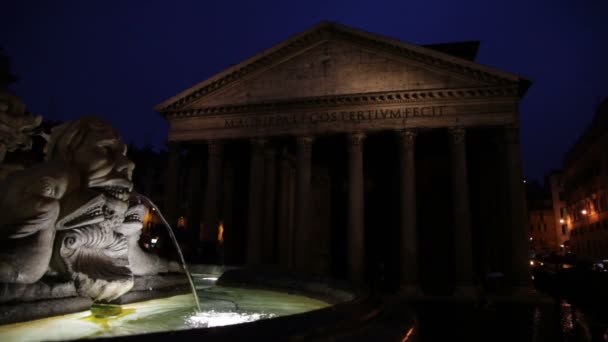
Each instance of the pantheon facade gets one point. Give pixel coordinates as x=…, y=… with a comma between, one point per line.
x=343, y=152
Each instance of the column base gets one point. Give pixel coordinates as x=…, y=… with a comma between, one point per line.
x=411, y=291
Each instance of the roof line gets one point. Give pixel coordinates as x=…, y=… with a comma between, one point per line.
x=323, y=30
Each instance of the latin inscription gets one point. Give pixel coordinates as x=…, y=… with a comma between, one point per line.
x=279, y=120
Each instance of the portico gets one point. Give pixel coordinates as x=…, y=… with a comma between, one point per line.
x=306, y=108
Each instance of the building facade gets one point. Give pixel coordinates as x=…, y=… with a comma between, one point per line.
x=544, y=238
x=343, y=152
x=585, y=181
x=560, y=212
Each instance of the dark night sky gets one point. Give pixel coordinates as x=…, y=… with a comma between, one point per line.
x=118, y=59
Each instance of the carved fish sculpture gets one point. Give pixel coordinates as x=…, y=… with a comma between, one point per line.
x=97, y=260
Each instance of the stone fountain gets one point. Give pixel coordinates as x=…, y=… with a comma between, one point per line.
x=69, y=239
x=69, y=226
x=69, y=231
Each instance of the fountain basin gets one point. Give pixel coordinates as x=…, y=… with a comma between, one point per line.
x=262, y=304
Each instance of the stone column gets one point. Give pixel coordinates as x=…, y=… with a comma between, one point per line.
x=291, y=218
x=228, y=245
x=519, y=270
x=302, y=202
x=461, y=211
x=214, y=170
x=356, y=207
x=195, y=195
x=410, y=284
x=284, y=234
x=268, y=228
x=254, y=216
x=172, y=185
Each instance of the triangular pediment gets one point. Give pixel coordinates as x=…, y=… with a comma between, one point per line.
x=334, y=60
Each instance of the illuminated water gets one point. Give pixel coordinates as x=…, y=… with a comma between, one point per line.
x=176, y=245
x=220, y=306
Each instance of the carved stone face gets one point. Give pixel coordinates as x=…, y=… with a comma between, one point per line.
x=95, y=254
x=103, y=158
x=95, y=148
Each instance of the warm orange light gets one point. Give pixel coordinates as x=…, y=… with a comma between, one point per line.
x=408, y=334
x=584, y=212
x=220, y=232
x=181, y=222
x=561, y=221
x=147, y=217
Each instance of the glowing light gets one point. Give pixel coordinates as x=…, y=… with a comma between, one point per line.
x=153, y=240
x=208, y=319
x=561, y=221
x=210, y=278
x=147, y=217
x=220, y=232
x=524, y=181
x=408, y=334
x=562, y=246
x=531, y=262
x=584, y=212
x=531, y=238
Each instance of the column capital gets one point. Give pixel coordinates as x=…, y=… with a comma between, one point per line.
x=215, y=147
x=356, y=138
x=257, y=144
x=304, y=140
x=258, y=141
x=407, y=137
x=457, y=135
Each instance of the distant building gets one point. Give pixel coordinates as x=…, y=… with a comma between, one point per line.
x=560, y=211
x=585, y=180
x=347, y=153
x=541, y=220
